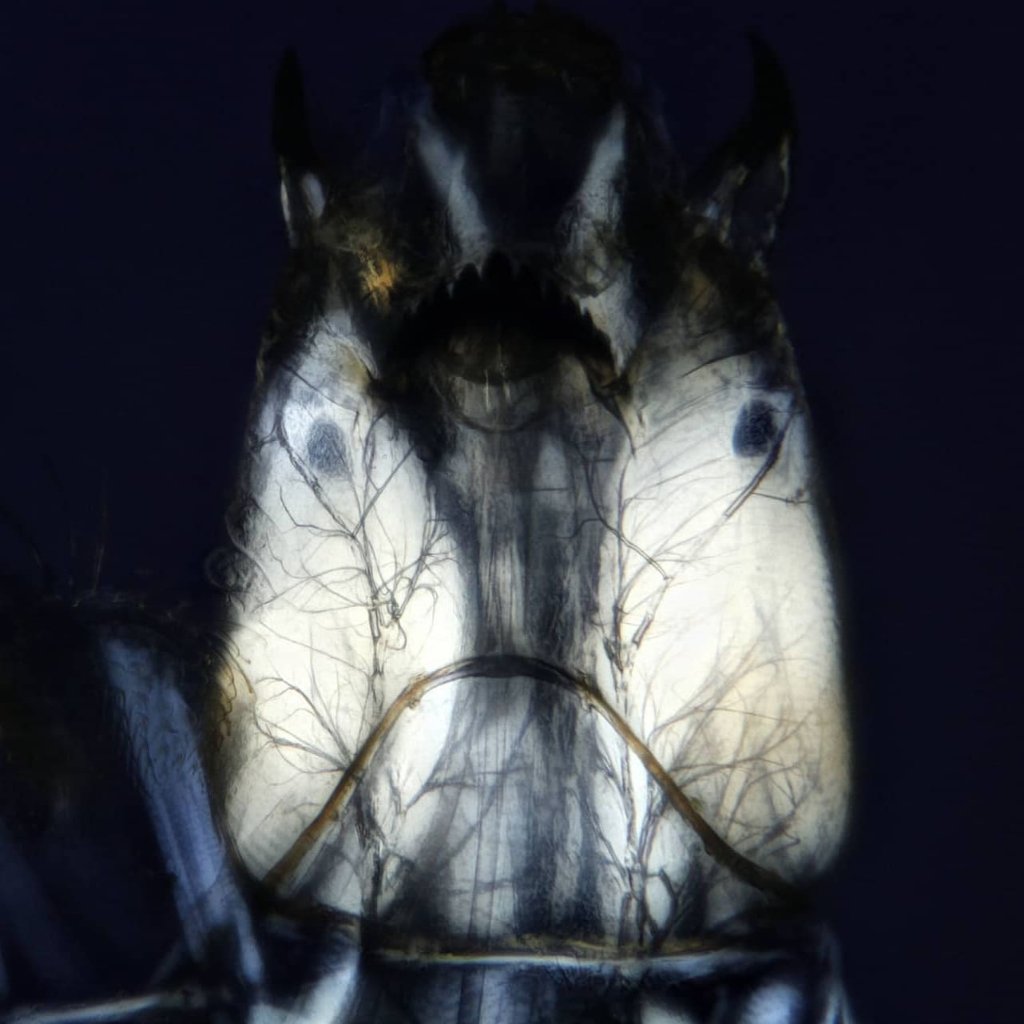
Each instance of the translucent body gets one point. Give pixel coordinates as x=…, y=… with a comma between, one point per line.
x=663, y=546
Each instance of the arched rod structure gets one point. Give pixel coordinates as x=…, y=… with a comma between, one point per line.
x=494, y=667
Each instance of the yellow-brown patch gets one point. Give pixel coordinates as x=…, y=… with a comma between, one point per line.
x=378, y=276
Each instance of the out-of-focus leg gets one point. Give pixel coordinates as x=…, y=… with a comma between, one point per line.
x=162, y=742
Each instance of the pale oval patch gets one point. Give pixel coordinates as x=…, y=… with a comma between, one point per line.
x=721, y=642
x=356, y=590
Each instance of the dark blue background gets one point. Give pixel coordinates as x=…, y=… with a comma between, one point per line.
x=141, y=242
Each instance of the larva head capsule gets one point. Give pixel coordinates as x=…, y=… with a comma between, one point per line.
x=537, y=634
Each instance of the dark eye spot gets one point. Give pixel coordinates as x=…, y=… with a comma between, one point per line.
x=756, y=429
x=324, y=451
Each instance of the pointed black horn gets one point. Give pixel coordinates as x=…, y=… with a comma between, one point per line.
x=302, y=191
x=290, y=125
x=772, y=117
x=742, y=186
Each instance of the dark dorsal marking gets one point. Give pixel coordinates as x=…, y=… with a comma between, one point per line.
x=324, y=451
x=755, y=430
